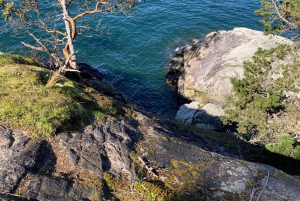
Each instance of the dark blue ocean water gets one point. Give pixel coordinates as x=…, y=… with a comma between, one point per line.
x=136, y=53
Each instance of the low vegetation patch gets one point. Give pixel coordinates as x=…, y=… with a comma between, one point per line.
x=266, y=104
x=26, y=104
x=13, y=59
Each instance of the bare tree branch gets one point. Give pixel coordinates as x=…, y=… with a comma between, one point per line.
x=32, y=47
x=44, y=49
x=43, y=27
x=281, y=17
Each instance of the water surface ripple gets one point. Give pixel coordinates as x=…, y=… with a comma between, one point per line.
x=139, y=47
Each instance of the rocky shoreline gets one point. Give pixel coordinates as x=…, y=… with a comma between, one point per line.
x=202, y=71
x=138, y=157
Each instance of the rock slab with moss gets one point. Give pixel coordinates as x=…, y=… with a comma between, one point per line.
x=202, y=70
x=117, y=153
x=133, y=159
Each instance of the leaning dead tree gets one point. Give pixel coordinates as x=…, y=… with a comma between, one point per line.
x=59, y=20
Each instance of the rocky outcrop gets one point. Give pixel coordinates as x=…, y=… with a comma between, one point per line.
x=202, y=70
x=206, y=117
x=71, y=166
x=132, y=156
x=100, y=148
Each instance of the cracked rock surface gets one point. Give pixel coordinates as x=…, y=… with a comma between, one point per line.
x=71, y=166
x=101, y=148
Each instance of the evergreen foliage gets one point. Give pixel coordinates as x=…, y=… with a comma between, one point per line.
x=266, y=104
x=279, y=16
x=286, y=146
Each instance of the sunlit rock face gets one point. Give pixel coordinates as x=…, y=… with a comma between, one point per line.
x=202, y=70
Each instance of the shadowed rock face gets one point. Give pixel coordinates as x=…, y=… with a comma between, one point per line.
x=101, y=148
x=95, y=79
x=44, y=170
x=203, y=69
x=206, y=117
x=17, y=160
x=64, y=167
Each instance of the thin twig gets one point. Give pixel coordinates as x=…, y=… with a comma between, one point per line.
x=43, y=48
x=253, y=193
x=71, y=70
x=282, y=18
x=32, y=47
x=262, y=191
x=264, y=187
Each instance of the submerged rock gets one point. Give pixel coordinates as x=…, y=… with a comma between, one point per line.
x=203, y=69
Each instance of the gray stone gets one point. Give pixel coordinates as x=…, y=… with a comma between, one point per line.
x=17, y=160
x=206, y=117
x=187, y=112
x=53, y=189
x=193, y=164
x=203, y=69
x=46, y=188
x=5, y=138
x=102, y=147
x=274, y=188
x=209, y=117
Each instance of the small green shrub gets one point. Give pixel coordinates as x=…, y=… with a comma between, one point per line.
x=286, y=146
x=12, y=59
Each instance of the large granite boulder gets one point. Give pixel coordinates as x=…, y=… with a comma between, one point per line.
x=202, y=70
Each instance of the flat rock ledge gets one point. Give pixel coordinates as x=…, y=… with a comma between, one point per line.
x=203, y=116
x=202, y=70
x=72, y=166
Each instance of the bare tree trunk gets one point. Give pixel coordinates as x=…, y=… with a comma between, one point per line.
x=53, y=78
x=69, y=45
x=62, y=69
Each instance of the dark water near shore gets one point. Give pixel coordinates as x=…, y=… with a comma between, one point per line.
x=137, y=51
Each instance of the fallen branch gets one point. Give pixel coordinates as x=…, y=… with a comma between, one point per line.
x=262, y=191
x=264, y=187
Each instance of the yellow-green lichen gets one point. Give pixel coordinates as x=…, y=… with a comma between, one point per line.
x=179, y=164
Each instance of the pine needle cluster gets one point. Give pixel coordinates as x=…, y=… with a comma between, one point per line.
x=266, y=102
